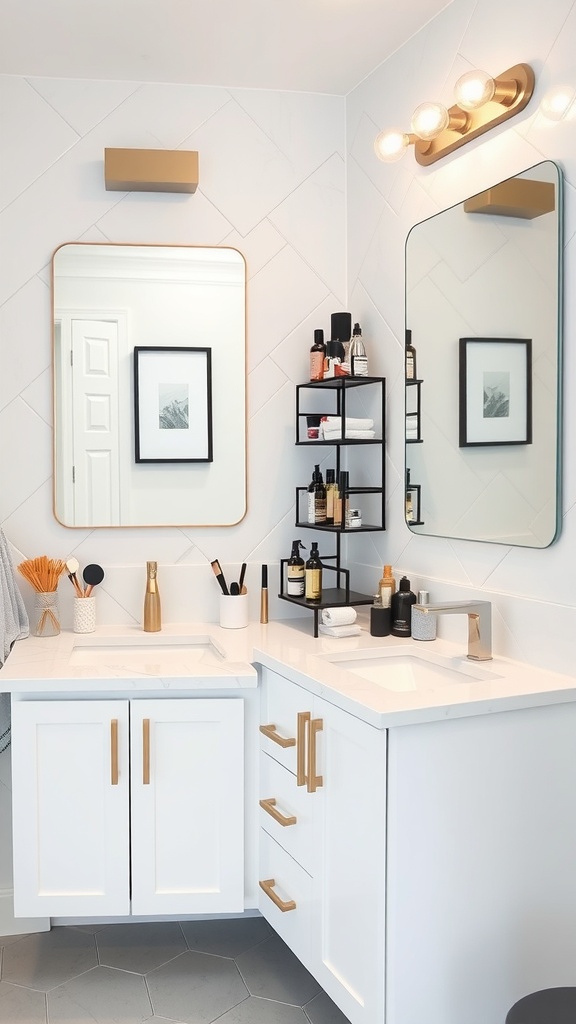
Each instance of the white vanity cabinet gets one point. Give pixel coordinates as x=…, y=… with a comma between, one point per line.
x=322, y=848
x=128, y=805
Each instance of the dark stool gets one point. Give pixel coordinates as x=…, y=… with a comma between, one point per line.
x=550, y=1006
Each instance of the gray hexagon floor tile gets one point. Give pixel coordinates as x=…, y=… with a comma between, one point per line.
x=48, y=959
x=195, y=988
x=321, y=1010
x=21, y=1005
x=271, y=971
x=101, y=996
x=226, y=938
x=140, y=947
x=7, y=940
x=263, y=1011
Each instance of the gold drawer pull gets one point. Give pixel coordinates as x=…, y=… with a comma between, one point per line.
x=282, y=741
x=114, y=773
x=303, y=719
x=314, y=781
x=145, y=751
x=270, y=807
x=268, y=886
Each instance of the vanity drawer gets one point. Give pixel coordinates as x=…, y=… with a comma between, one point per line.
x=290, y=802
x=287, y=883
x=281, y=736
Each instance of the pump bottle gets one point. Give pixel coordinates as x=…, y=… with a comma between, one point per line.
x=295, y=571
x=313, y=577
x=317, y=498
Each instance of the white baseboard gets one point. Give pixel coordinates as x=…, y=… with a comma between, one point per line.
x=60, y=921
x=10, y=925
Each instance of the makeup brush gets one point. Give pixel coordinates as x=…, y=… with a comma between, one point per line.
x=93, y=575
x=243, y=589
x=72, y=564
x=219, y=576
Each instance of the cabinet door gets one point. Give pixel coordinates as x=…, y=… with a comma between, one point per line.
x=70, y=807
x=187, y=785
x=348, y=920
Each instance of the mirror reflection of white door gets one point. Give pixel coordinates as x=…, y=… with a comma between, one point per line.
x=96, y=422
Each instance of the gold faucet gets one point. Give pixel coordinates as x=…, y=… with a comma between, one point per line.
x=479, y=624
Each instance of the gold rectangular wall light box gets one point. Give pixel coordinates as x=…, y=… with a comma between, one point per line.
x=517, y=197
x=150, y=170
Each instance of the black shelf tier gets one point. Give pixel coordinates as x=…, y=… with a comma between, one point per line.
x=414, y=440
x=345, y=381
x=414, y=380
x=331, y=528
x=332, y=597
x=342, y=441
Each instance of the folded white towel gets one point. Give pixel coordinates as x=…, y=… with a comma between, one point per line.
x=335, y=434
x=13, y=626
x=340, y=630
x=352, y=422
x=338, y=616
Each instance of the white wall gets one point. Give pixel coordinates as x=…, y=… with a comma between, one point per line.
x=532, y=590
x=272, y=185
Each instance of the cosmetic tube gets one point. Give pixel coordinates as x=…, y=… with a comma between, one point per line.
x=264, y=595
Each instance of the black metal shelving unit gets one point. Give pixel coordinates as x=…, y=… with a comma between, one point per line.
x=341, y=594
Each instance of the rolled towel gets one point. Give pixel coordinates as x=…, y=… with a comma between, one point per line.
x=352, y=422
x=340, y=630
x=338, y=616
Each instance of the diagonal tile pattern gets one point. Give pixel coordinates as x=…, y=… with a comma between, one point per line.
x=235, y=971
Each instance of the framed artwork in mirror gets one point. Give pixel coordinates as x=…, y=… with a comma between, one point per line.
x=495, y=391
x=172, y=404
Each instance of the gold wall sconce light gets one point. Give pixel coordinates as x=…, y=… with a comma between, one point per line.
x=481, y=103
x=150, y=170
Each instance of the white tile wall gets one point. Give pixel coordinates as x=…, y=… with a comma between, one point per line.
x=272, y=183
x=533, y=590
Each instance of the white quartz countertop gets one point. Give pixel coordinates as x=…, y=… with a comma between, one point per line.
x=203, y=656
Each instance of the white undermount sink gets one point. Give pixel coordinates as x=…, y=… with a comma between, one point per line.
x=148, y=653
x=394, y=669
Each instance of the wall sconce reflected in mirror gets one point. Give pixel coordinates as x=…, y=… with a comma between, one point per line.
x=482, y=102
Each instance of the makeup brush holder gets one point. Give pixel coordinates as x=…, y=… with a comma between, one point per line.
x=233, y=611
x=46, y=615
x=84, y=620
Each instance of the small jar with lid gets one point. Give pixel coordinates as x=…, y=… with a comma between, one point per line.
x=423, y=623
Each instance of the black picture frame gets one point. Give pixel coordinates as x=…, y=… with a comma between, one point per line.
x=172, y=404
x=495, y=391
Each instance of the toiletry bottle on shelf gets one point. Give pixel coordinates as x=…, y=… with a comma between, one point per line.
x=402, y=602
x=317, y=354
x=423, y=623
x=295, y=571
x=317, y=498
x=152, y=613
x=340, y=331
x=409, y=500
x=330, y=490
x=410, y=357
x=387, y=586
x=344, y=499
x=313, y=575
x=357, y=354
x=337, y=504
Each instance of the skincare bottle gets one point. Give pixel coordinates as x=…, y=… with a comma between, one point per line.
x=380, y=618
x=152, y=613
x=295, y=571
x=317, y=498
x=313, y=575
x=357, y=354
x=387, y=586
x=410, y=357
x=423, y=623
x=344, y=499
x=340, y=331
x=330, y=491
x=317, y=354
x=402, y=602
x=337, y=505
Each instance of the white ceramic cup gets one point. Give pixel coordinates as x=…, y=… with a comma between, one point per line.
x=233, y=611
x=84, y=614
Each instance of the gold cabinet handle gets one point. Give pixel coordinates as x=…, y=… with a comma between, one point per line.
x=114, y=773
x=268, y=886
x=303, y=719
x=270, y=807
x=145, y=751
x=282, y=741
x=313, y=781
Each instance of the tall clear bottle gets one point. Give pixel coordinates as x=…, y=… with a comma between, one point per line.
x=357, y=354
x=152, y=611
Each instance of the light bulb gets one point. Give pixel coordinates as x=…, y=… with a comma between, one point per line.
x=474, y=89
x=390, y=145
x=557, y=103
x=429, y=120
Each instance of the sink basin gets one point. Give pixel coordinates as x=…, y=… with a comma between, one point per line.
x=411, y=670
x=147, y=654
